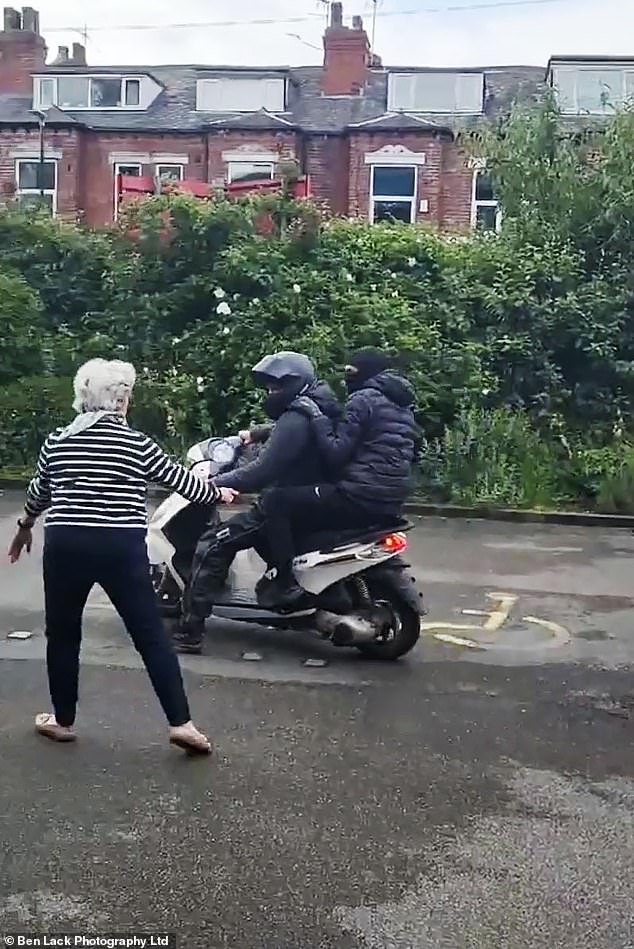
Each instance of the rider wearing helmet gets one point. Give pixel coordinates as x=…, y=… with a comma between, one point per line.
x=288, y=458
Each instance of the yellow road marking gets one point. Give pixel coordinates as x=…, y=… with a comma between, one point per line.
x=560, y=635
x=495, y=620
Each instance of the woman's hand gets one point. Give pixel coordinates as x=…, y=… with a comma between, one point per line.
x=228, y=495
x=245, y=436
x=23, y=539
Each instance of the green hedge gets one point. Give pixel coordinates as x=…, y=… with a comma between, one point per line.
x=521, y=347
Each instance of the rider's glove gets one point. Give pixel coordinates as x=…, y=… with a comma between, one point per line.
x=306, y=406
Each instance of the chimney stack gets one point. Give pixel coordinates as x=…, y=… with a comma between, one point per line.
x=79, y=55
x=346, y=56
x=22, y=51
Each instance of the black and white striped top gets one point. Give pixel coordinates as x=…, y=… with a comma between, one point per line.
x=98, y=478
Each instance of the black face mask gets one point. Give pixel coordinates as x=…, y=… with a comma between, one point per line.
x=275, y=404
x=353, y=382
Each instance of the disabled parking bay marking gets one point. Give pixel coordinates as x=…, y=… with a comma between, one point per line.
x=494, y=622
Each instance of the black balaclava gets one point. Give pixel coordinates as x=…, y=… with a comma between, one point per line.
x=368, y=363
x=276, y=403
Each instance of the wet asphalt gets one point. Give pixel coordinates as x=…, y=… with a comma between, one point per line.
x=474, y=796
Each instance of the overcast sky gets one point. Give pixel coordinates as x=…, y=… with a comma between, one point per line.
x=477, y=34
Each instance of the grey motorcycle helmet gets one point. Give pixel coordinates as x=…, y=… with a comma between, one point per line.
x=281, y=366
x=286, y=375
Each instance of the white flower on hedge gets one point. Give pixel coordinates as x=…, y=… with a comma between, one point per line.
x=349, y=277
x=297, y=288
x=373, y=287
x=394, y=293
x=200, y=389
x=223, y=309
x=175, y=341
x=255, y=301
x=200, y=381
x=174, y=371
x=219, y=293
x=411, y=261
x=486, y=392
x=225, y=330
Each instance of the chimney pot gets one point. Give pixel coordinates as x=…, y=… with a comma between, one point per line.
x=357, y=23
x=62, y=56
x=30, y=20
x=12, y=19
x=79, y=54
x=336, y=14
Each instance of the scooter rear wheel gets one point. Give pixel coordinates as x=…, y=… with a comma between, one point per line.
x=402, y=627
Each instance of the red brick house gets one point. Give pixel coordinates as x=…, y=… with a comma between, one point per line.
x=376, y=142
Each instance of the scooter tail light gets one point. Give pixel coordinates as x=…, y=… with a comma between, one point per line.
x=394, y=543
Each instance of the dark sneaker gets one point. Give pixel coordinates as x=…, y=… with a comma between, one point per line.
x=189, y=641
x=289, y=598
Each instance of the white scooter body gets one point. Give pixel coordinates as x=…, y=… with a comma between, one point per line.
x=315, y=571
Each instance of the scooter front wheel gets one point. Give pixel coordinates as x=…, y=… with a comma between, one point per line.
x=401, y=630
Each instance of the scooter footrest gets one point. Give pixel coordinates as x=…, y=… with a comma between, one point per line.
x=236, y=598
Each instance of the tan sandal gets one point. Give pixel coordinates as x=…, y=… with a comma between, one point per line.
x=46, y=725
x=190, y=740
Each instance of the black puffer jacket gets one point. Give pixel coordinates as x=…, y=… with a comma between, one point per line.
x=373, y=446
x=290, y=455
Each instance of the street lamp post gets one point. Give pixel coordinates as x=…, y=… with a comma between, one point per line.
x=41, y=182
x=42, y=123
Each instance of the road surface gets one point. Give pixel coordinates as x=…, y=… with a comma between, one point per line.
x=477, y=796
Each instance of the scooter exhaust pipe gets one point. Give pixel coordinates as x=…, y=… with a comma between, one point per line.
x=344, y=630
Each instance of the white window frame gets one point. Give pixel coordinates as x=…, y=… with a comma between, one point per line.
x=626, y=70
x=35, y=160
x=124, y=80
x=117, y=166
x=249, y=161
x=475, y=203
x=414, y=106
x=265, y=101
x=171, y=165
x=378, y=198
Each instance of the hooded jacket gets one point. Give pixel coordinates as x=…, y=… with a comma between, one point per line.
x=290, y=455
x=374, y=445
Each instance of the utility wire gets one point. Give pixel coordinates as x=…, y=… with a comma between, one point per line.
x=306, y=18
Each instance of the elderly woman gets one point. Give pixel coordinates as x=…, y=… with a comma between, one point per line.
x=91, y=478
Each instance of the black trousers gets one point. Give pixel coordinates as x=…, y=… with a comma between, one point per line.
x=306, y=510
x=214, y=555
x=75, y=559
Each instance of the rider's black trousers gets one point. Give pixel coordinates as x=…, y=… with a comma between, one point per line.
x=291, y=511
x=214, y=554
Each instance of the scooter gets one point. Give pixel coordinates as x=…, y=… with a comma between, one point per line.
x=359, y=591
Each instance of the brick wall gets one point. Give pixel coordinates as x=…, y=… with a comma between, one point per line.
x=340, y=177
x=283, y=143
x=444, y=180
x=326, y=160
x=102, y=149
x=456, y=192
x=64, y=145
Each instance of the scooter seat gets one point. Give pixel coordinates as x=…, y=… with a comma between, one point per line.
x=325, y=541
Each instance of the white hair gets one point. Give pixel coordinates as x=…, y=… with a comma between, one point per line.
x=103, y=385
